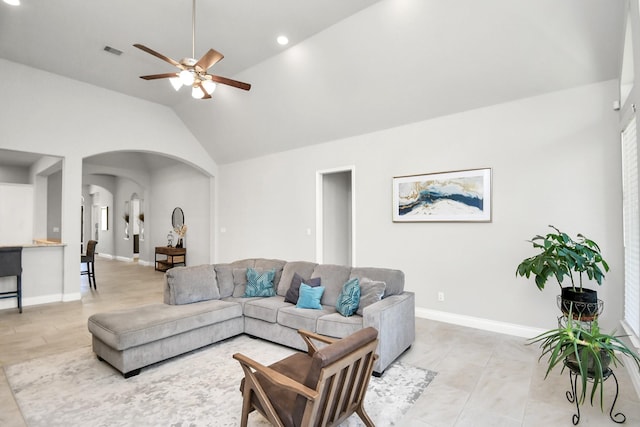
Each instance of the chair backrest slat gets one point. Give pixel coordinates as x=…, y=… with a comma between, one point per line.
x=342, y=385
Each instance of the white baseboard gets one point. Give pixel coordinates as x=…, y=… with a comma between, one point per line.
x=123, y=258
x=145, y=263
x=103, y=255
x=479, y=323
x=43, y=299
x=76, y=296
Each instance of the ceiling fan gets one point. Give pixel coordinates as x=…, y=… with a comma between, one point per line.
x=193, y=72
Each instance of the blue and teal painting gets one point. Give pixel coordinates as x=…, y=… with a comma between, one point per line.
x=443, y=198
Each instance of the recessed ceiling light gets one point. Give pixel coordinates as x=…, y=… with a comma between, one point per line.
x=283, y=40
x=13, y=2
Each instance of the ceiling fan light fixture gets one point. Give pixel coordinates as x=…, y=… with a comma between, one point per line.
x=186, y=77
x=176, y=83
x=193, y=72
x=208, y=86
x=196, y=92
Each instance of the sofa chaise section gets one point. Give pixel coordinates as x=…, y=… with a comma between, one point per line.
x=132, y=338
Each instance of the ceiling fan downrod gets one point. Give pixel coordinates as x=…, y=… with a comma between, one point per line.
x=193, y=30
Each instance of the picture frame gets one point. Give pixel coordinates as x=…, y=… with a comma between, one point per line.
x=454, y=196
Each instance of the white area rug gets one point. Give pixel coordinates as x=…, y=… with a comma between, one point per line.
x=196, y=389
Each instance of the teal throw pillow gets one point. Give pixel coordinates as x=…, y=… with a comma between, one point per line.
x=310, y=297
x=349, y=298
x=259, y=284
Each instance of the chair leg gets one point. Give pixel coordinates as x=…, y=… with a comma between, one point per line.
x=364, y=417
x=93, y=276
x=246, y=408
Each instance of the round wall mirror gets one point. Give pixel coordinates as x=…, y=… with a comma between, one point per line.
x=177, y=218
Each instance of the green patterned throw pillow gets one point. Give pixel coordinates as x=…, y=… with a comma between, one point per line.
x=259, y=284
x=349, y=298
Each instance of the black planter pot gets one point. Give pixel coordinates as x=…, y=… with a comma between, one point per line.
x=591, y=365
x=584, y=305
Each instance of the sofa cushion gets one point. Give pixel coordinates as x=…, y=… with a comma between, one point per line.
x=123, y=329
x=185, y=285
x=304, y=270
x=265, y=309
x=241, y=301
x=302, y=318
x=349, y=298
x=293, y=293
x=338, y=326
x=333, y=277
x=371, y=291
x=244, y=263
x=310, y=297
x=259, y=284
x=269, y=264
x=394, y=279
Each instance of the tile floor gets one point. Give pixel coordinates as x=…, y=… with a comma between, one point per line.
x=484, y=378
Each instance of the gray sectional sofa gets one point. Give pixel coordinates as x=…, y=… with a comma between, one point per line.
x=205, y=304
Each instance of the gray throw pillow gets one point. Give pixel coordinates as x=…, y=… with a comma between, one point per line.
x=371, y=291
x=239, y=282
x=294, y=290
x=224, y=275
x=192, y=284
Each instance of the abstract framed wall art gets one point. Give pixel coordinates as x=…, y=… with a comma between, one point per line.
x=463, y=196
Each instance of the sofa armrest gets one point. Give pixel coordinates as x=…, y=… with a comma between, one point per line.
x=394, y=318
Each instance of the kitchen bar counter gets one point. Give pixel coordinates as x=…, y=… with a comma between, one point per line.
x=42, y=274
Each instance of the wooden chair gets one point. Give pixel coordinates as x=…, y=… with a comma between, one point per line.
x=320, y=388
x=89, y=258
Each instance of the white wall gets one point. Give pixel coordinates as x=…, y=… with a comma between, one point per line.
x=14, y=174
x=68, y=121
x=555, y=160
x=184, y=187
x=16, y=214
x=54, y=208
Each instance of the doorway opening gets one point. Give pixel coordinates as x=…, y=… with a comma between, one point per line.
x=137, y=221
x=335, y=216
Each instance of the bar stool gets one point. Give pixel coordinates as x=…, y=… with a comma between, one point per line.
x=11, y=265
x=89, y=259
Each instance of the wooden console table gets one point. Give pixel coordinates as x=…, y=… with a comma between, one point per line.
x=171, y=257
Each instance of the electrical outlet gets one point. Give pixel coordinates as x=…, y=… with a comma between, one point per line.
x=440, y=296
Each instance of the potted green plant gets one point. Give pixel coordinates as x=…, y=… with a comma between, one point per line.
x=584, y=349
x=562, y=257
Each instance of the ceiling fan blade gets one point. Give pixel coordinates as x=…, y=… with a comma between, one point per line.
x=229, y=82
x=208, y=59
x=159, y=55
x=159, y=76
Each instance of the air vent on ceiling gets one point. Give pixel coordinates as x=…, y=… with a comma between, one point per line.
x=113, y=50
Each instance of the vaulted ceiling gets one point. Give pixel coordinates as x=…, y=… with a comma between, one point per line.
x=353, y=66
